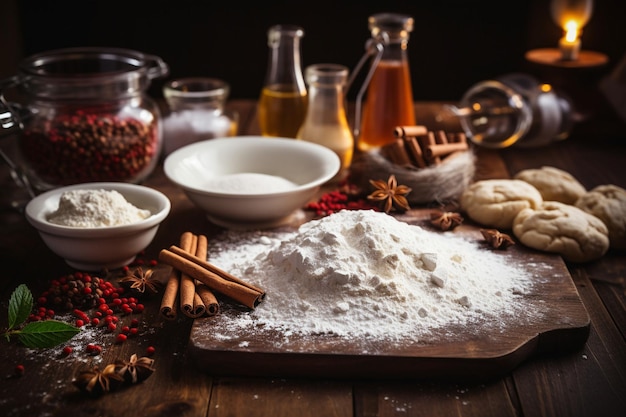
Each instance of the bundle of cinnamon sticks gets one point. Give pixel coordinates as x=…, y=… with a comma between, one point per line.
x=193, y=281
x=419, y=147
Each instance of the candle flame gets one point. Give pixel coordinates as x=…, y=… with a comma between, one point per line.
x=571, y=13
x=571, y=31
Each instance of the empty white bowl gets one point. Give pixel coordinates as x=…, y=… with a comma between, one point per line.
x=95, y=248
x=197, y=167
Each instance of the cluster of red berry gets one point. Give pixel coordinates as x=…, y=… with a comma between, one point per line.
x=94, y=302
x=346, y=197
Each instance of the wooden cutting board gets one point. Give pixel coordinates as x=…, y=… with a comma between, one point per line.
x=471, y=353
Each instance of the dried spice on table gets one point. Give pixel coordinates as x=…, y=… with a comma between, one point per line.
x=446, y=220
x=347, y=196
x=391, y=193
x=136, y=369
x=141, y=281
x=96, y=381
x=497, y=239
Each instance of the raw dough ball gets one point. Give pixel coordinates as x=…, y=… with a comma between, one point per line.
x=608, y=203
x=553, y=184
x=560, y=228
x=495, y=203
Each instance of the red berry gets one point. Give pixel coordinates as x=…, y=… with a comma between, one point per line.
x=19, y=370
x=150, y=350
x=112, y=326
x=134, y=323
x=67, y=350
x=80, y=323
x=94, y=349
x=121, y=338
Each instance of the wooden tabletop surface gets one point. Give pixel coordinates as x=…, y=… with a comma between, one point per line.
x=584, y=381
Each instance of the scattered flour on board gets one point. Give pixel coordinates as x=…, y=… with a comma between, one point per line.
x=95, y=208
x=367, y=274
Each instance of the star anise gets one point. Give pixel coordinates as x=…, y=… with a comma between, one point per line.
x=140, y=281
x=496, y=239
x=391, y=193
x=446, y=220
x=97, y=382
x=135, y=369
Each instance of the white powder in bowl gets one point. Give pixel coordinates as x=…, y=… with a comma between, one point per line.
x=249, y=183
x=95, y=208
x=365, y=273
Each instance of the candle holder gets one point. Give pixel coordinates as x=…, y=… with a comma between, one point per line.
x=567, y=58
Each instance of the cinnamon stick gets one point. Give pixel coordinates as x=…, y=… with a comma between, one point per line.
x=410, y=131
x=188, y=304
x=211, y=305
x=396, y=153
x=214, y=269
x=238, y=290
x=198, y=309
x=441, y=137
x=208, y=299
x=415, y=151
x=425, y=142
x=443, y=149
x=170, y=294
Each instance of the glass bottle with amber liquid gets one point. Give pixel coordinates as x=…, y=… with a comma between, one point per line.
x=389, y=100
x=283, y=103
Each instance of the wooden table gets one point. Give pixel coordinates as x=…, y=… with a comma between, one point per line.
x=583, y=382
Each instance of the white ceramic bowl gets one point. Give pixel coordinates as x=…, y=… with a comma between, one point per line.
x=194, y=167
x=92, y=249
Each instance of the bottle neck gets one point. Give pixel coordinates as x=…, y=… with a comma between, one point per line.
x=284, y=65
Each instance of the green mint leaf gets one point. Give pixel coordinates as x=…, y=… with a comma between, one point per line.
x=46, y=334
x=20, y=305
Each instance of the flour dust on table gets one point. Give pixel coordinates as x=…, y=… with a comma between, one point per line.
x=363, y=273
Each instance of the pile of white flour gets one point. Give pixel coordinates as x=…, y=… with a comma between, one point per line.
x=95, y=208
x=364, y=273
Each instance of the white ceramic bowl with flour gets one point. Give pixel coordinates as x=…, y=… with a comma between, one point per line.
x=106, y=235
x=251, y=181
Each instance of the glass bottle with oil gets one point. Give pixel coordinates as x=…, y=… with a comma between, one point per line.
x=389, y=100
x=283, y=103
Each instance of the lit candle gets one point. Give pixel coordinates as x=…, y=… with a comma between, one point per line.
x=572, y=16
x=570, y=42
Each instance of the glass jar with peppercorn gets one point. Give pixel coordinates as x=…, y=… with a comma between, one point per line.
x=85, y=116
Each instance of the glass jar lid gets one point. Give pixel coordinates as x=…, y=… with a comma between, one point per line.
x=89, y=72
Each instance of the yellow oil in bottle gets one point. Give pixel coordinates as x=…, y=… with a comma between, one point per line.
x=281, y=111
